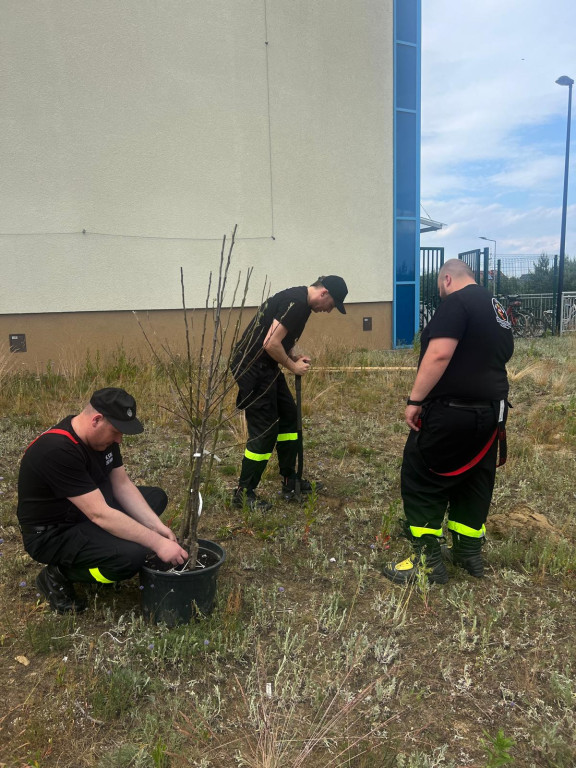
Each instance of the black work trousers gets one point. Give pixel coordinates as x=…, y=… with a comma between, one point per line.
x=87, y=553
x=440, y=472
x=271, y=417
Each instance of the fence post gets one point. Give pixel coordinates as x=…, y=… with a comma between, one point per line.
x=555, y=292
x=486, y=267
x=498, y=274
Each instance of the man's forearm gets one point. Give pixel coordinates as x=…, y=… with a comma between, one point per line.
x=94, y=506
x=135, y=505
x=277, y=352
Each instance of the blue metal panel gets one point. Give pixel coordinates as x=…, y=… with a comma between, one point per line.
x=405, y=313
x=407, y=21
x=406, y=76
x=407, y=47
x=405, y=165
x=405, y=244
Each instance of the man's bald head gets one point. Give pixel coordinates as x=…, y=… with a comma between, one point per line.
x=457, y=268
x=454, y=274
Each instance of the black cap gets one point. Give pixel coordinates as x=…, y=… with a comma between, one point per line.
x=119, y=408
x=337, y=288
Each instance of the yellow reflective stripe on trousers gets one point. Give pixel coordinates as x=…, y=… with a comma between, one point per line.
x=287, y=436
x=97, y=576
x=466, y=531
x=417, y=532
x=257, y=456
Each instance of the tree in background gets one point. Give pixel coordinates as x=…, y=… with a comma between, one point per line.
x=541, y=279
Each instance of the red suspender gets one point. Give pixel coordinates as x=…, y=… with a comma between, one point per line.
x=472, y=462
x=55, y=432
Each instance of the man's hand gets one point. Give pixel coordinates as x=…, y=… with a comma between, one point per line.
x=171, y=552
x=301, y=366
x=412, y=416
x=168, y=533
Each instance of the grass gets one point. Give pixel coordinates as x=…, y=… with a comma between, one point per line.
x=311, y=657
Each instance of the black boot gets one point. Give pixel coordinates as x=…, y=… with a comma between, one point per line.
x=243, y=498
x=58, y=590
x=466, y=551
x=427, y=556
x=289, y=485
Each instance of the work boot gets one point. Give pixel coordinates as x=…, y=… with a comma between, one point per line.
x=427, y=557
x=244, y=497
x=289, y=487
x=466, y=551
x=58, y=590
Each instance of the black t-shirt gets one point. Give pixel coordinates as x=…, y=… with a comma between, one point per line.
x=54, y=468
x=477, y=369
x=288, y=307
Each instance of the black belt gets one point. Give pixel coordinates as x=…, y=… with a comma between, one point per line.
x=37, y=528
x=453, y=403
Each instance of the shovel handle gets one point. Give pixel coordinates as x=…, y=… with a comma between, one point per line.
x=300, y=466
x=299, y=402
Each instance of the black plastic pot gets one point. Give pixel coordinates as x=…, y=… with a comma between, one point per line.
x=176, y=598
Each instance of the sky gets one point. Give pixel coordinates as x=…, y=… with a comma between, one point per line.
x=494, y=124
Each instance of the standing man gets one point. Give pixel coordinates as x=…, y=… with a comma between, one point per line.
x=456, y=413
x=78, y=510
x=266, y=345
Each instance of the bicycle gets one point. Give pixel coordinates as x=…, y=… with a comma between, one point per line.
x=535, y=326
x=568, y=323
x=518, y=321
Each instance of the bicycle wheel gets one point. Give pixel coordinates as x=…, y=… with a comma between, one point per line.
x=520, y=327
x=537, y=327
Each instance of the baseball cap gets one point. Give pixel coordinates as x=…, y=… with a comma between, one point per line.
x=119, y=408
x=337, y=288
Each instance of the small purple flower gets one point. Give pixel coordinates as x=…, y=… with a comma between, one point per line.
x=206, y=642
x=150, y=646
x=280, y=589
x=140, y=587
x=1, y=541
x=22, y=583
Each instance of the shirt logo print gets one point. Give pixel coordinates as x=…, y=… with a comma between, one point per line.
x=501, y=316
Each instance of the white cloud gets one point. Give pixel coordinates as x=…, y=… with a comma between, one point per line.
x=494, y=122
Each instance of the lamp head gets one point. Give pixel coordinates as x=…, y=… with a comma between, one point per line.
x=565, y=80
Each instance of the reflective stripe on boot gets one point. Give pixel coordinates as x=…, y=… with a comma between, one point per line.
x=427, y=559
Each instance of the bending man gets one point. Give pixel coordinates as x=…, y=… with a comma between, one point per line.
x=266, y=345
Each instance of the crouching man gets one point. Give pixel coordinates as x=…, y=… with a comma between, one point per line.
x=78, y=510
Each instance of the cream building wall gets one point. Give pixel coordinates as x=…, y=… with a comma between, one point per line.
x=135, y=134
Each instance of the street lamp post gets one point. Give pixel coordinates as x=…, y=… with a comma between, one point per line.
x=495, y=264
x=564, y=80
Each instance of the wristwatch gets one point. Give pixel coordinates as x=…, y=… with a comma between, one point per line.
x=414, y=402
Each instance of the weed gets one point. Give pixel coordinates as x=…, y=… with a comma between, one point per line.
x=497, y=749
x=49, y=632
x=116, y=691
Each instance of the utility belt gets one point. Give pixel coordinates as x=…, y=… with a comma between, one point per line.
x=453, y=402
